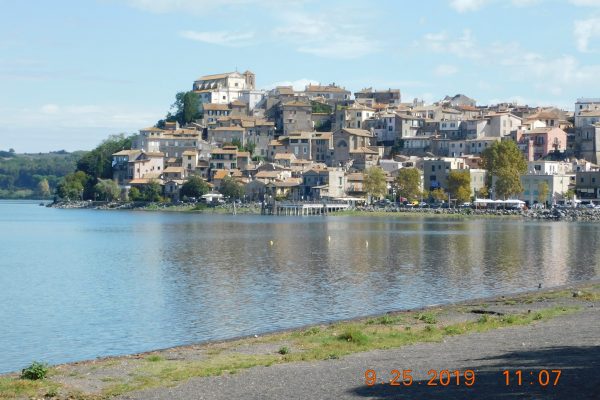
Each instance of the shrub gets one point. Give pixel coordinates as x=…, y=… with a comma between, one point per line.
x=537, y=316
x=284, y=350
x=154, y=358
x=35, y=371
x=428, y=318
x=311, y=331
x=355, y=336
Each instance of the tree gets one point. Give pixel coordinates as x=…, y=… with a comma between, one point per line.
x=570, y=194
x=237, y=143
x=483, y=192
x=505, y=161
x=98, y=162
x=459, y=185
x=439, y=195
x=43, y=188
x=194, y=187
x=151, y=191
x=107, y=189
x=231, y=188
x=408, y=183
x=543, y=190
x=374, y=183
x=71, y=187
x=191, y=106
x=134, y=194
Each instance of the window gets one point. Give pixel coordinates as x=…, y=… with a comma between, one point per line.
x=433, y=168
x=223, y=97
x=432, y=178
x=189, y=158
x=593, y=180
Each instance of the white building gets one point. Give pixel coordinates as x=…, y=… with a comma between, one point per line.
x=227, y=87
x=587, y=112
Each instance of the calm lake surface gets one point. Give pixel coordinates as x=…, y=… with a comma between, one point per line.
x=78, y=284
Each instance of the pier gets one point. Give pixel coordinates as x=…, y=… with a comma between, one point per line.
x=303, y=208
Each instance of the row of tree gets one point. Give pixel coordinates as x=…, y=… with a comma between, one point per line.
x=503, y=160
x=34, y=175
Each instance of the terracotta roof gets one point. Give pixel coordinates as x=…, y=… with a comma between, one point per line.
x=285, y=156
x=285, y=90
x=296, y=103
x=267, y=174
x=174, y=169
x=220, y=174
x=152, y=129
x=364, y=150
x=215, y=76
x=215, y=106
x=189, y=153
x=228, y=128
x=238, y=103
x=328, y=88
x=224, y=151
x=143, y=181
x=243, y=154
x=291, y=182
x=127, y=153
x=356, y=176
x=590, y=113
x=155, y=154
x=357, y=132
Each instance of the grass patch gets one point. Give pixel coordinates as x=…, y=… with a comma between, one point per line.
x=427, y=317
x=317, y=343
x=385, y=320
x=354, y=335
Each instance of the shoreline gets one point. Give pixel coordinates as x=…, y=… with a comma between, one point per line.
x=308, y=342
x=562, y=214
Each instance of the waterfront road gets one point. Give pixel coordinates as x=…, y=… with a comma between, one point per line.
x=569, y=344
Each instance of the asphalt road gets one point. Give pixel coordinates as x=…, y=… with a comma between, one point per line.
x=569, y=343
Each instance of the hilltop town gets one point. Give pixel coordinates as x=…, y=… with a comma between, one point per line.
x=324, y=142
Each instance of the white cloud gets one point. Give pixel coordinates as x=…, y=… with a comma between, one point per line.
x=586, y=3
x=463, y=46
x=328, y=34
x=525, y=3
x=193, y=6
x=467, y=5
x=49, y=109
x=223, y=38
x=584, y=31
x=298, y=85
x=445, y=70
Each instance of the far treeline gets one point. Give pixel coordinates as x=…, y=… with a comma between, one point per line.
x=28, y=176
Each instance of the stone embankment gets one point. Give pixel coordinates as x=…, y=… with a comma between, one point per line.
x=555, y=214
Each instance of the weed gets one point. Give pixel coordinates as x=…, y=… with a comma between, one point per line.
x=537, y=316
x=154, y=358
x=483, y=319
x=35, y=371
x=428, y=318
x=284, y=350
x=311, y=331
x=354, y=335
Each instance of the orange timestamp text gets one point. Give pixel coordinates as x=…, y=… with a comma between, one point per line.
x=444, y=377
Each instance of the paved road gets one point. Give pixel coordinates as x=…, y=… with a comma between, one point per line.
x=570, y=343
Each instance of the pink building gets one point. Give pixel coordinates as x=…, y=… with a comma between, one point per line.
x=537, y=143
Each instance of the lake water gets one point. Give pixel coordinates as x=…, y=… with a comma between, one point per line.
x=78, y=284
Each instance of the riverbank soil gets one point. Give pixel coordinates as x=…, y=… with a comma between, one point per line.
x=453, y=352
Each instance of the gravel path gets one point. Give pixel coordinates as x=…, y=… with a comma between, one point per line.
x=570, y=343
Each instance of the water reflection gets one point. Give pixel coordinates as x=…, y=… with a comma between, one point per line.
x=80, y=284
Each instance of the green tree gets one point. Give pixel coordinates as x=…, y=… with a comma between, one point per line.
x=191, y=105
x=107, y=189
x=374, y=183
x=543, y=190
x=43, y=188
x=237, y=143
x=151, y=191
x=194, y=187
x=98, y=162
x=483, y=193
x=134, y=194
x=505, y=161
x=439, y=195
x=459, y=185
x=71, y=187
x=570, y=194
x=231, y=188
x=408, y=183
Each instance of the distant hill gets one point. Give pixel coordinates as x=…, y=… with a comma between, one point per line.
x=21, y=174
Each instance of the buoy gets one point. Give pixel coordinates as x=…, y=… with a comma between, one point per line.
x=329, y=238
x=367, y=243
x=271, y=242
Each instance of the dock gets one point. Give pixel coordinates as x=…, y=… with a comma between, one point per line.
x=303, y=208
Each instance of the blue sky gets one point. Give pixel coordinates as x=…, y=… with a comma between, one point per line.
x=73, y=72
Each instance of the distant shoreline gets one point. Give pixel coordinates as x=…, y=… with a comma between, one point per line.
x=567, y=214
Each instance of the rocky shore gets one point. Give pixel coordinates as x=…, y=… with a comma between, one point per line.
x=554, y=214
